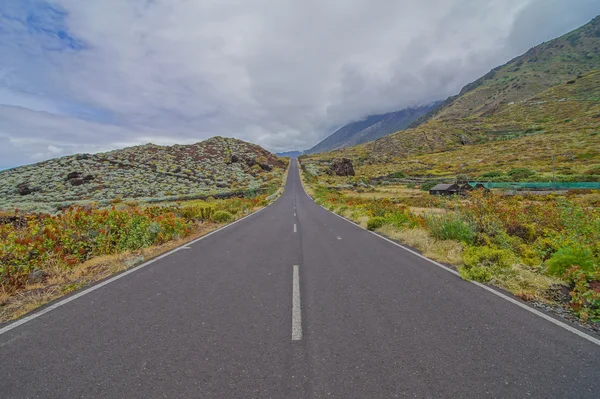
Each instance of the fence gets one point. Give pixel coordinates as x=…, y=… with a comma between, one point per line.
x=540, y=185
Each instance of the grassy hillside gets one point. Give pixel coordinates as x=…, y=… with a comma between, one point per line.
x=546, y=65
x=147, y=172
x=563, y=121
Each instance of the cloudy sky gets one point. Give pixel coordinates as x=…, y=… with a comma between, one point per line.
x=93, y=75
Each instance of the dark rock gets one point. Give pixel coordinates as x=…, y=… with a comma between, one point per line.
x=250, y=162
x=74, y=175
x=265, y=166
x=88, y=178
x=177, y=170
x=24, y=189
x=342, y=167
x=76, y=182
x=234, y=159
x=36, y=276
x=80, y=157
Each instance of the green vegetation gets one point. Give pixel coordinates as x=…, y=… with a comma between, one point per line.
x=375, y=222
x=483, y=263
x=450, y=226
x=429, y=185
x=222, y=217
x=571, y=255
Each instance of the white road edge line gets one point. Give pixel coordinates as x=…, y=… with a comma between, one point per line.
x=50, y=308
x=485, y=287
x=296, y=309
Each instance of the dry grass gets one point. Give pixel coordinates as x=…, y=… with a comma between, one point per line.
x=526, y=284
x=427, y=211
x=447, y=251
x=60, y=281
x=306, y=186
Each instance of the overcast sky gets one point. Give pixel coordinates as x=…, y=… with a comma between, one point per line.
x=94, y=75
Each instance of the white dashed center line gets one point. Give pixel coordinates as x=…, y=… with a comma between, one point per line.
x=296, y=310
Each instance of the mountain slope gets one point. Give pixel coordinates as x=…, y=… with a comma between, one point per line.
x=210, y=167
x=563, y=121
x=543, y=66
x=370, y=128
x=506, y=104
x=544, y=103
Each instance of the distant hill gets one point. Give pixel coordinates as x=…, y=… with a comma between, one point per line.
x=291, y=154
x=370, y=128
x=214, y=166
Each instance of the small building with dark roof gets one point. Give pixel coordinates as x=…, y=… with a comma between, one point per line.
x=445, y=189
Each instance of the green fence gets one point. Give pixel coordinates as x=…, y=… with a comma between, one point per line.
x=540, y=185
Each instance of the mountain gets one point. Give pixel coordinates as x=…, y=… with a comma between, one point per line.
x=291, y=154
x=211, y=167
x=370, y=128
x=543, y=103
x=540, y=68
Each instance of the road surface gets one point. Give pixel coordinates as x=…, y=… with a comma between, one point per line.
x=294, y=302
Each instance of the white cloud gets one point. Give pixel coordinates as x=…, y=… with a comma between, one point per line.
x=281, y=74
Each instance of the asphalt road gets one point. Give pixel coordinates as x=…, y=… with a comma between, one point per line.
x=227, y=318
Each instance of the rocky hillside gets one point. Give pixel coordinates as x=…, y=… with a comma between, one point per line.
x=370, y=128
x=147, y=172
x=546, y=65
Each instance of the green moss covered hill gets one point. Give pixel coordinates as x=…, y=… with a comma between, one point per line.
x=543, y=103
x=147, y=172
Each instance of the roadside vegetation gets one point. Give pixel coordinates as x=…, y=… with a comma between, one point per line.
x=542, y=248
x=44, y=256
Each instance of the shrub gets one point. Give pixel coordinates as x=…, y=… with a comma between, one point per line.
x=462, y=178
x=451, y=227
x=482, y=263
x=398, y=219
x=521, y=173
x=572, y=255
x=78, y=234
x=375, y=222
x=585, y=300
x=222, y=217
x=428, y=185
x=398, y=175
x=491, y=175
x=488, y=257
